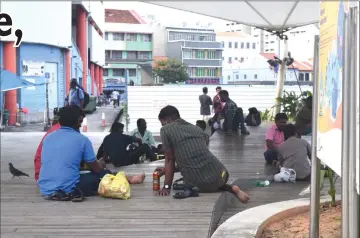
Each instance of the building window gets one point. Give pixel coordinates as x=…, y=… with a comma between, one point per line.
x=242, y=59
x=212, y=55
x=145, y=37
x=190, y=37
x=200, y=72
x=242, y=45
x=230, y=44
x=230, y=59
x=144, y=55
x=229, y=78
x=235, y=45
x=223, y=58
x=307, y=77
x=190, y=71
x=253, y=45
x=236, y=58
x=107, y=54
x=105, y=72
x=117, y=54
x=118, y=36
x=211, y=72
x=118, y=72
x=244, y=76
x=237, y=76
x=131, y=37
x=132, y=72
x=200, y=54
x=131, y=55
x=222, y=44
x=106, y=35
x=187, y=54
x=247, y=45
x=255, y=76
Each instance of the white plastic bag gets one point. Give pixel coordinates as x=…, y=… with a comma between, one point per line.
x=285, y=175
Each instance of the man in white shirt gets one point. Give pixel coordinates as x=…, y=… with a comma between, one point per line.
x=115, y=97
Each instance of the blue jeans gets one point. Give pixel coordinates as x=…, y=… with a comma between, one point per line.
x=270, y=155
x=89, y=183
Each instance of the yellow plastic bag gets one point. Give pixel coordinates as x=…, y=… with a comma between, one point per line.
x=114, y=186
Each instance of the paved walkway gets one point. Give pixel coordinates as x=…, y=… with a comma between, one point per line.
x=25, y=214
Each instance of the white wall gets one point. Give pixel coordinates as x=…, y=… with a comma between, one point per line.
x=263, y=74
x=131, y=28
x=159, y=41
x=114, y=45
x=147, y=101
x=96, y=45
x=46, y=22
x=97, y=12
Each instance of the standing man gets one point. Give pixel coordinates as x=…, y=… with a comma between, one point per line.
x=75, y=96
x=233, y=115
x=205, y=103
x=115, y=98
x=217, y=103
x=186, y=144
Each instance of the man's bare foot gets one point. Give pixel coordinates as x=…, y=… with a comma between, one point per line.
x=242, y=196
x=137, y=179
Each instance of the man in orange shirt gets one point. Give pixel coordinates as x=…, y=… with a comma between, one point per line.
x=37, y=158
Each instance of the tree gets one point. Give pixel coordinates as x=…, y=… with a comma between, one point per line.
x=170, y=71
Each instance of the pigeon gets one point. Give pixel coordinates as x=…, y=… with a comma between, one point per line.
x=15, y=172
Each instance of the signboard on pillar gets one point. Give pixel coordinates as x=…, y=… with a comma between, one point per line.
x=330, y=83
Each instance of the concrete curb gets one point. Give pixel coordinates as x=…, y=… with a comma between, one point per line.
x=246, y=224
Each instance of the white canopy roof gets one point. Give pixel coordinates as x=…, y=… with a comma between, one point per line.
x=272, y=15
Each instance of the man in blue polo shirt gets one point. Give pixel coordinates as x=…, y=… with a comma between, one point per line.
x=62, y=152
x=76, y=95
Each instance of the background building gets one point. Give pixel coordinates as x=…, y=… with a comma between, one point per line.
x=128, y=47
x=65, y=42
x=198, y=50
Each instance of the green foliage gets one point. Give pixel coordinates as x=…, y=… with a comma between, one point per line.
x=170, y=71
x=332, y=190
x=266, y=115
x=290, y=103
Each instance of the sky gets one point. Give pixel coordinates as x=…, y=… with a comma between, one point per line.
x=166, y=16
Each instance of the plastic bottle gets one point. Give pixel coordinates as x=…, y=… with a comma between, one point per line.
x=264, y=183
x=156, y=181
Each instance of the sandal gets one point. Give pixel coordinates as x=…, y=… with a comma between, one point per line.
x=188, y=192
x=59, y=195
x=77, y=195
x=177, y=185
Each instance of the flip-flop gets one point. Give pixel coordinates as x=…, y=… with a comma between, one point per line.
x=188, y=192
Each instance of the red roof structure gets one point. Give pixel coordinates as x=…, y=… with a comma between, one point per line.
x=122, y=16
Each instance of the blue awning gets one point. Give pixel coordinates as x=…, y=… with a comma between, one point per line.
x=10, y=81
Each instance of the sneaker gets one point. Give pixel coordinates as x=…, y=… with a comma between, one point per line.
x=245, y=132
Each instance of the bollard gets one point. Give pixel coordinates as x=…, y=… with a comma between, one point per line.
x=84, y=127
x=103, y=119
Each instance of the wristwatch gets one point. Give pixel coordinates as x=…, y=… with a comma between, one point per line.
x=167, y=187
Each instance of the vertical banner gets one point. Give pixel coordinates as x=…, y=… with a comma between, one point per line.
x=330, y=83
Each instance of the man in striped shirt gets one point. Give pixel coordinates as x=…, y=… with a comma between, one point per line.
x=186, y=144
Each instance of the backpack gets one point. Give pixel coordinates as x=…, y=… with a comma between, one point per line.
x=253, y=118
x=86, y=97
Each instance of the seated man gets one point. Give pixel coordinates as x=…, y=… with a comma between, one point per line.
x=115, y=147
x=201, y=124
x=186, y=144
x=295, y=153
x=62, y=152
x=232, y=114
x=146, y=136
x=274, y=137
x=304, y=117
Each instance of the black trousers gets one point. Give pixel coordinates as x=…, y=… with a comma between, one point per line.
x=134, y=155
x=237, y=122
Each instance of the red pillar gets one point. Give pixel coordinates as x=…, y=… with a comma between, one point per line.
x=92, y=74
x=9, y=56
x=100, y=79
x=67, y=71
x=81, y=40
x=97, y=76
